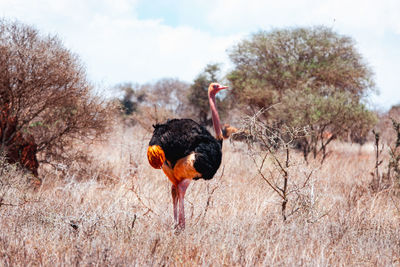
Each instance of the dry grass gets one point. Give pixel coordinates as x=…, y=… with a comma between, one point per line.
x=123, y=214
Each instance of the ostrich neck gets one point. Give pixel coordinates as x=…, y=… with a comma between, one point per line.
x=215, y=116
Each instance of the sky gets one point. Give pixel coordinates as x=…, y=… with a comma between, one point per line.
x=141, y=41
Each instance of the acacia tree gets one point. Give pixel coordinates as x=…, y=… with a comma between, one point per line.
x=45, y=86
x=314, y=74
x=272, y=62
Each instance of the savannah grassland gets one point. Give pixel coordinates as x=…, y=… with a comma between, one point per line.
x=120, y=213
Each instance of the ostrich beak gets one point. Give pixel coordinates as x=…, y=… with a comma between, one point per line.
x=222, y=87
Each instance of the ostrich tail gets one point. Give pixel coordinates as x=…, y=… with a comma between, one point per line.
x=156, y=156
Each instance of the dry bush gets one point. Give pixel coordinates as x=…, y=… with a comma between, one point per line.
x=234, y=219
x=276, y=148
x=45, y=86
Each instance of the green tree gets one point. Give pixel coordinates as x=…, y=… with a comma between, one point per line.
x=311, y=77
x=272, y=62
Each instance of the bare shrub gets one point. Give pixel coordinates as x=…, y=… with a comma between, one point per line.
x=275, y=151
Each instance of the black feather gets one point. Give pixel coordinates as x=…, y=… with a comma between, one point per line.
x=181, y=137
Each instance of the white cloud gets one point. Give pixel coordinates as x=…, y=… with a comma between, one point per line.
x=132, y=50
x=118, y=47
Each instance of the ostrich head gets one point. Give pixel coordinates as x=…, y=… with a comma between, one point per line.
x=214, y=88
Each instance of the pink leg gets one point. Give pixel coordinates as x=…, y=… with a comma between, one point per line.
x=182, y=186
x=174, y=194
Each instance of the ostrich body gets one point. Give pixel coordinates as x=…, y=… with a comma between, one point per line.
x=185, y=150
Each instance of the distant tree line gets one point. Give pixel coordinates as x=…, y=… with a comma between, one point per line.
x=169, y=98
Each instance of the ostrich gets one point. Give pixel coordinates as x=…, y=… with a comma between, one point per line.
x=186, y=151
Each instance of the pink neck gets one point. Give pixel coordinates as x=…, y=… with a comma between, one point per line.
x=215, y=116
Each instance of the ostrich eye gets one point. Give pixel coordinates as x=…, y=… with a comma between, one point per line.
x=215, y=86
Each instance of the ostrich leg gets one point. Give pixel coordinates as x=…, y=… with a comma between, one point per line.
x=182, y=186
x=174, y=194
